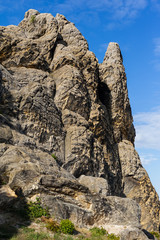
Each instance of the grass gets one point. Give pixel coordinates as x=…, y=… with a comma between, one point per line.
x=30, y=234
x=27, y=233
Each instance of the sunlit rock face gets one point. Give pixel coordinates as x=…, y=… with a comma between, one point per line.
x=67, y=131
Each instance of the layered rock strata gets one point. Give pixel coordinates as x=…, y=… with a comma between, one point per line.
x=67, y=131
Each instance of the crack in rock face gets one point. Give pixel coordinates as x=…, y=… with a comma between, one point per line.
x=66, y=131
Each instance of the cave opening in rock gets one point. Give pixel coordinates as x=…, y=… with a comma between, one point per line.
x=104, y=94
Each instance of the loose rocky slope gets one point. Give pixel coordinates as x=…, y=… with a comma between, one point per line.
x=67, y=131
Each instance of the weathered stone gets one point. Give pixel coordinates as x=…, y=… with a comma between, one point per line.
x=7, y=197
x=137, y=185
x=66, y=132
x=91, y=210
x=132, y=233
x=95, y=184
x=5, y=134
x=113, y=81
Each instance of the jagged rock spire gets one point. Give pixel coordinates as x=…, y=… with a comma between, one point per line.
x=112, y=73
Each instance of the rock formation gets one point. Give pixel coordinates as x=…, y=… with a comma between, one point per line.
x=67, y=131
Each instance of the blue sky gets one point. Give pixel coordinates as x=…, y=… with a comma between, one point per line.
x=135, y=25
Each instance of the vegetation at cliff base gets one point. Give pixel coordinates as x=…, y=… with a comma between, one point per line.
x=67, y=226
x=30, y=234
x=52, y=225
x=112, y=237
x=35, y=210
x=97, y=231
x=27, y=233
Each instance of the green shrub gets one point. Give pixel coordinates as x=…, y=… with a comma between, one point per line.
x=112, y=237
x=98, y=231
x=156, y=234
x=53, y=226
x=32, y=19
x=66, y=226
x=35, y=210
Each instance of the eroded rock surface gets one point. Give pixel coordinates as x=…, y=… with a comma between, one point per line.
x=66, y=130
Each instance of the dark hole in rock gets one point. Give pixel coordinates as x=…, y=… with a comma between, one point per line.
x=104, y=94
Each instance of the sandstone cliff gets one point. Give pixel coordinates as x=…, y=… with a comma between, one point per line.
x=67, y=131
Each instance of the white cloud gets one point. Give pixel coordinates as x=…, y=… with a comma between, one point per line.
x=130, y=8
x=147, y=126
x=147, y=142
x=148, y=158
x=117, y=12
x=118, y=9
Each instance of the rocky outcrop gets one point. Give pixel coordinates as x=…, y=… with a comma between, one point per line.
x=136, y=182
x=137, y=186
x=66, y=130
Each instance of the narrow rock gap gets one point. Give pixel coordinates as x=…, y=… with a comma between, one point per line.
x=104, y=94
x=59, y=40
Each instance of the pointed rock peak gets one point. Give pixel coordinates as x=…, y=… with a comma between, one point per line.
x=31, y=12
x=113, y=54
x=61, y=17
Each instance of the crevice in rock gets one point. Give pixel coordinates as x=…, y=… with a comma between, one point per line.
x=59, y=40
x=104, y=94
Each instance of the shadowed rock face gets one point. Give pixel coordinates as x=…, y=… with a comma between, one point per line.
x=56, y=99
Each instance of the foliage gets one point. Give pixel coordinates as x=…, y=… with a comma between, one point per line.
x=38, y=236
x=35, y=210
x=57, y=236
x=66, y=226
x=31, y=235
x=68, y=238
x=26, y=233
x=112, y=237
x=98, y=231
x=32, y=19
x=54, y=156
x=53, y=226
x=156, y=234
